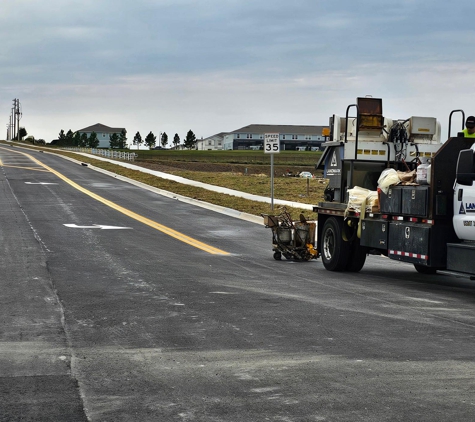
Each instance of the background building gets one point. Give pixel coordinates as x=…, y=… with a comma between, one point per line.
x=214, y=142
x=103, y=133
x=291, y=137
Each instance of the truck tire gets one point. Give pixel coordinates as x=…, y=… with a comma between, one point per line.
x=335, y=251
x=422, y=269
x=357, y=257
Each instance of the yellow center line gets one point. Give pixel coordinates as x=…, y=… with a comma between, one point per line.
x=157, y=226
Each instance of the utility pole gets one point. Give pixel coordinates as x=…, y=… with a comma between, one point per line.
x=13, y=118
x=16, y=115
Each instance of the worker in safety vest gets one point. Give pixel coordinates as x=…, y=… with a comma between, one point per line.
x=469, y=131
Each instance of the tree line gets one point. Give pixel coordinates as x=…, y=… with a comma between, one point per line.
x=151, y=140
x=119, y=141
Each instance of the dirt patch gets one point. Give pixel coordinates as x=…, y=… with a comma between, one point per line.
x=170, y=167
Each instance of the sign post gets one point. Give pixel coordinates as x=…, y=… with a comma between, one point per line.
x=271, y=146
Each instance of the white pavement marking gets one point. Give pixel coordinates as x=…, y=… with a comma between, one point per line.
x=39, y=183
x=96, y=226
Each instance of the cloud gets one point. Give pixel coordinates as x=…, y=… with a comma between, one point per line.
x=214, y=66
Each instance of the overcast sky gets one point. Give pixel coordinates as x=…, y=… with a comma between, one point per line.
x=217, y=65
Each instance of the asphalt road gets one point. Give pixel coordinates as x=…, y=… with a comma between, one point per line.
x=118, y=304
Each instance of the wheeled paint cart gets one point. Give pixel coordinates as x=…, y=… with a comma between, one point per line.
x=293, y=240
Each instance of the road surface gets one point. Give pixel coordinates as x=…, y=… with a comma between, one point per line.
x=118, y=304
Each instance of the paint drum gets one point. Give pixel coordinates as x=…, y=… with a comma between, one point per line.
x=284, y=235
x=301, y=235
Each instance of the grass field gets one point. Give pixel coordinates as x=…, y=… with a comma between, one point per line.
x=289, y=158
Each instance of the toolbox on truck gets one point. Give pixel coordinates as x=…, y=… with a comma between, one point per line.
x=409, y=240
x=390, y=203
x=414, y=200
x=374, y=233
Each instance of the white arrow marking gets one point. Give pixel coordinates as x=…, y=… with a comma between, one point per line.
x=96, y=226
x=39, y=183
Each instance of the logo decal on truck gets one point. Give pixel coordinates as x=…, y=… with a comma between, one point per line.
x=334, y=161
x=470, y=207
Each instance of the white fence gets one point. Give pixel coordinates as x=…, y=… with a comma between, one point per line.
x=108, y=153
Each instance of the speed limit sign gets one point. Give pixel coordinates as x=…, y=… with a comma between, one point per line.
x=271, y=143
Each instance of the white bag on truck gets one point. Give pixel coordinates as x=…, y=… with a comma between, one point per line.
x=389, y=177
x=356, y=197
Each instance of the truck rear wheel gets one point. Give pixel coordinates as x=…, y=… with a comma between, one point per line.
x=357, y=256
x=335, y=251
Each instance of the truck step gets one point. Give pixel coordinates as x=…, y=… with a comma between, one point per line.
x=461, y=257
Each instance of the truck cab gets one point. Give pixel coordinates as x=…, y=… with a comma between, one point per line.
x=464, y=197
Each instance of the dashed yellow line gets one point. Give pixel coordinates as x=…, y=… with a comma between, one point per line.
x=157, y=226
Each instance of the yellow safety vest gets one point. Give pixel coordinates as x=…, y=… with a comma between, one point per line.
x=468, y=135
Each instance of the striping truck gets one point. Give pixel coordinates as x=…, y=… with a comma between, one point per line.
x=429, y=222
